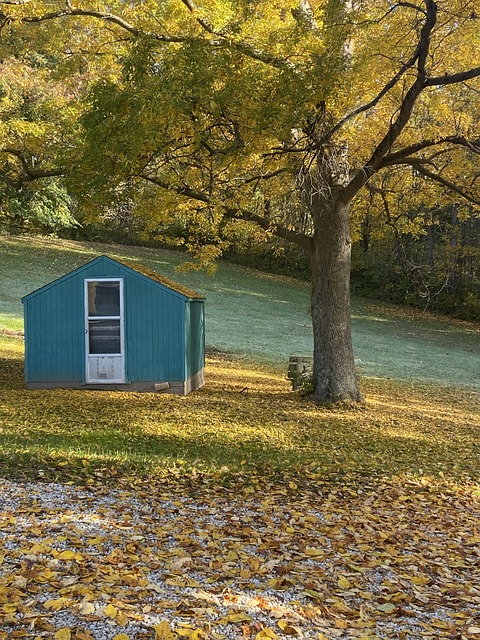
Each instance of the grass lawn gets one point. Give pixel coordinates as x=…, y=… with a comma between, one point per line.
x=241, y=511
x=263, y=316
x=245, y=421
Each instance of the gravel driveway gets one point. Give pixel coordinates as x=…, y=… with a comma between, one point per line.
x=101, y=563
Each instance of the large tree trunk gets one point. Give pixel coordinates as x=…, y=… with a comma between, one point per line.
x=333, y=362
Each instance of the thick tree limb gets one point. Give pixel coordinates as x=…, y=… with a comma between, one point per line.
x=397, y=126
x=410, y=5
x=181, y=190
x=453, y=78
x=298, y=238
x=235, y=213
x=385, y=89
x=406, y=152
x=30, y=172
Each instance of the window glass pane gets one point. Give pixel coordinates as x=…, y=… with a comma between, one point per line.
x=103, y=298
x=104, y=336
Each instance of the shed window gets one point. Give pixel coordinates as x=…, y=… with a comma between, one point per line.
x=104, y=336
x=103, y=299
x=104, y=317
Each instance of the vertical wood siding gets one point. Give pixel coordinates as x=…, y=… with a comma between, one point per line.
x=154, y=332
x=161, y=342
x=55, y=335
x=195, y=337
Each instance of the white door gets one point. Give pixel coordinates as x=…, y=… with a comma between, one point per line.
x=104, y=331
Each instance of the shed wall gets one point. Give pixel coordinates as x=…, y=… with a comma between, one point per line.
x=54, y=328
x=154, y=328
x=195, y=337
x=154, y=332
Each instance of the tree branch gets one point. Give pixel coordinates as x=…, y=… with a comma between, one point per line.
x=298, y=238
x=203, y=23
x=451, y=186
x=453, y=78
x=397, y=126
x=410, y=5
x=30, y=172
x=267, y=176
x=180, y=190
x=390, y=84
x=243, y=47
x=233, y=213
x=401, y=154
x=105, y=17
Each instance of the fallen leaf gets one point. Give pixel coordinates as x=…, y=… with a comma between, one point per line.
x=343, y=582
x=289, y=629
x=163, y=631
x=86, y=609
x=266, y=634
x=238, y=617
x=111, y=611
x=81, y=635
x=55, y=604
x=69, y=555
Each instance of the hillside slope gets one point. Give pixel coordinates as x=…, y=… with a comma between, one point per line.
x=262, y=316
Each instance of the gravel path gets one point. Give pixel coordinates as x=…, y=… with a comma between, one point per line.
x=99, y=563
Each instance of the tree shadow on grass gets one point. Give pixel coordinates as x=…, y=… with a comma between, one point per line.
x=72, y=434
x=245, y=419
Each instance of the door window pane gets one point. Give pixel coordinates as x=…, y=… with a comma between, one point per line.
x=104, y=336
x=103, y=298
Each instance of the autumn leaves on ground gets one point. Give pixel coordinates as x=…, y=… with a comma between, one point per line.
x=239, y=511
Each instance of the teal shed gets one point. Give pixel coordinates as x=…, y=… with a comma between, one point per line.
x=114, y=325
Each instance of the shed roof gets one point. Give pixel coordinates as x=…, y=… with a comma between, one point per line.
x=133, y=266
x=153, y=275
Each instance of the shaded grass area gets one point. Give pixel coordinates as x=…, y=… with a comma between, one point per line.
x=245, y=422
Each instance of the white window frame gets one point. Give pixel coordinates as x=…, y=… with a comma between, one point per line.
x=120, y=317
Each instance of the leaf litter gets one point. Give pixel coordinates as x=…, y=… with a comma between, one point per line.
x=279, y=519
x=256, y=560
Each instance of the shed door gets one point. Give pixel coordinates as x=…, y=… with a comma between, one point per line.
x=104, y=331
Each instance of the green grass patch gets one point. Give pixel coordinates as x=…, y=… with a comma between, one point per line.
x=263, y=316
x=244, y=422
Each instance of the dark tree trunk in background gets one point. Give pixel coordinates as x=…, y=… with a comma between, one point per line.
x=453, y=276
x=366, y=232
x=431, y=244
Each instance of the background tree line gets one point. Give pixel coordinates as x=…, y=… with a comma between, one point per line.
x=422, y=255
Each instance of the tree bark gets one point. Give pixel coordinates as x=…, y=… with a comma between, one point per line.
x=333, y=361
x=334, y=372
